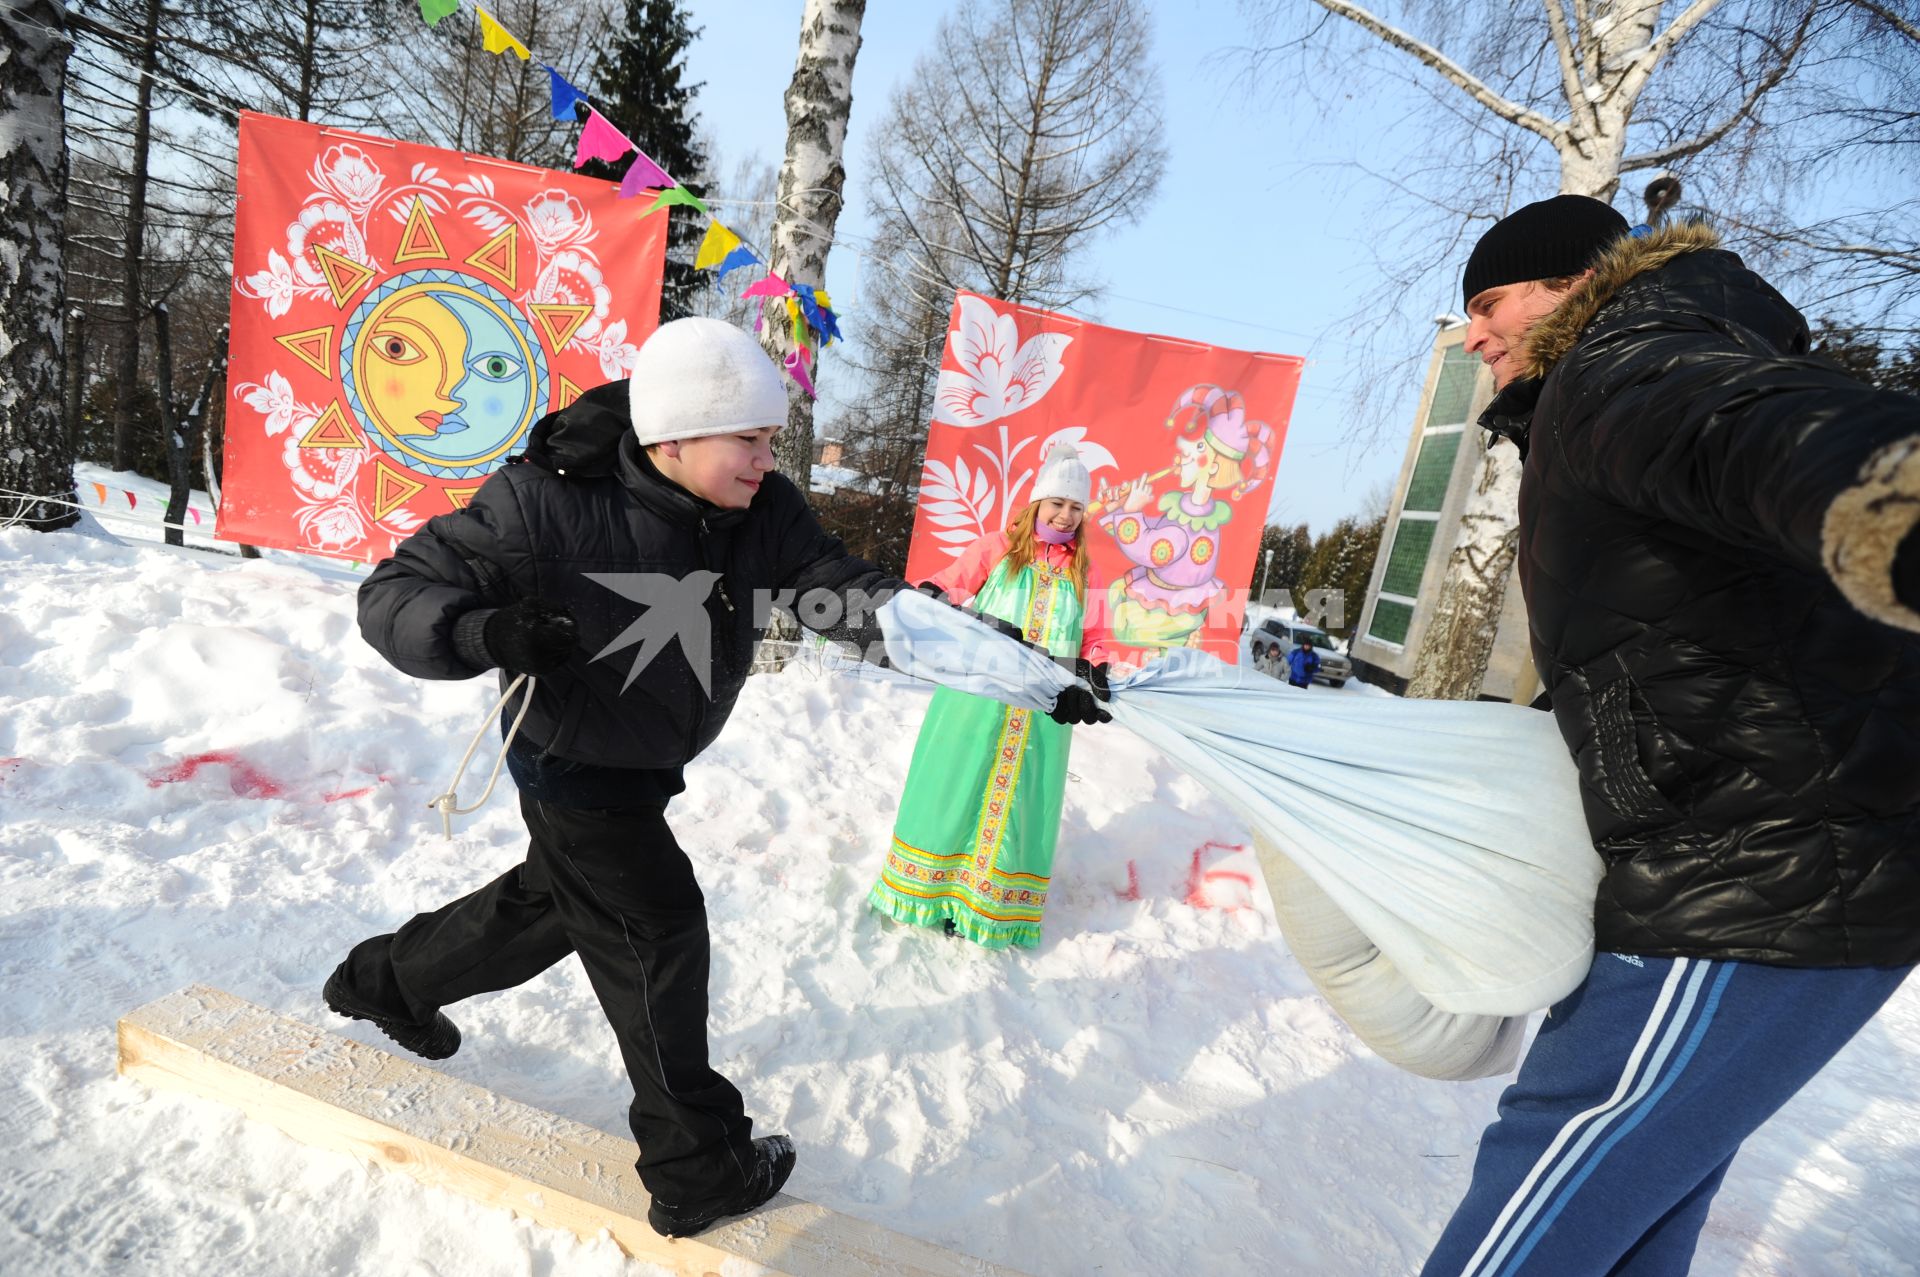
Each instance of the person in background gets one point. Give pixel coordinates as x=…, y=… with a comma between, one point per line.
x=1302, y=664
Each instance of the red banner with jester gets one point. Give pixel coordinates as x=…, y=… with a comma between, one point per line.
x=1182, y=439
x=402, y=315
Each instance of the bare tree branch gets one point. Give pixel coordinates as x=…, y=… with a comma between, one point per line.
x=1459, y=76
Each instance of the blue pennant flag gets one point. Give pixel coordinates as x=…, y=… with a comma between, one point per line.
x=741, y=256
x=565, y=97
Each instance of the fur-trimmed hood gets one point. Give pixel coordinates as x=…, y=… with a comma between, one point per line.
x=1553, y=336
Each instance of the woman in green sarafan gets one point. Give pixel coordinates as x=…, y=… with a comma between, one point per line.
x=972, y=848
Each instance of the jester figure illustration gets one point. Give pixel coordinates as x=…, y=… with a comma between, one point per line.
x=1174, y=543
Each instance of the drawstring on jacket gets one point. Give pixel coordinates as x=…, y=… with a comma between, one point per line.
x=446, y=804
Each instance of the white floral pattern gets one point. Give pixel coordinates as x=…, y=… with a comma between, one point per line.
x=350, y=174
x=275, y=285
x=556, y=220
x=999, y=375
x=617, y=354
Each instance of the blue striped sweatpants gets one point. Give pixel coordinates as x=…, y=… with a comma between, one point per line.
x=1626, y=1113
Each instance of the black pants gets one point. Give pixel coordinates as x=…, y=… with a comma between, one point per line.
x=615, y=888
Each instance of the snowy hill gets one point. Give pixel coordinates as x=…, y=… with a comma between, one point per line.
x=206, y=776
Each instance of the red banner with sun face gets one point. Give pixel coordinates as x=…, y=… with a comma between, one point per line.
x=1182, y=440
x=402, y=315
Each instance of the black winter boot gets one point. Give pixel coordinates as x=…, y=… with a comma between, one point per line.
x=434, y=1040
x=773, y=1159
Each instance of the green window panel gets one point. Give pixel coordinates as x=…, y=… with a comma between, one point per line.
x=1408, y=562
x=1453, y=390
x=1432, y=469
x=1390, y=621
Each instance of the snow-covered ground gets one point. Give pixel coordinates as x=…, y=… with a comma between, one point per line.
x=205, y=776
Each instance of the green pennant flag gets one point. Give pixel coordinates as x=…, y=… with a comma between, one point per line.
x=434, y=10
x=676, y=195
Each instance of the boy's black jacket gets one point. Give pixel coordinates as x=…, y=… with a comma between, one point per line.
x=585, y=499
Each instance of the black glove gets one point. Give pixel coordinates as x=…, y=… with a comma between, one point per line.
x=1076, y=705
x=933, y=592
x=1906, y=571
x=1095, y=676
x=524, y=637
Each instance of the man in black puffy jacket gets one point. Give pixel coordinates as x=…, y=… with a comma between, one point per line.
x=628, y=563
x=1720, y=552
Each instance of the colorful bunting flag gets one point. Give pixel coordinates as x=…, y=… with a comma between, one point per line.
x=770, y=286
x=100, y=491
x=797, y=369
x=741, y=256
x=196, y=516
x=813, y=305
x=643, y=174
x=715, y=247
x=133, y=502
x=495, y=38
x=566, y=98
x=801, y=334
x=676, y=195
x=431, y=11
x=599, y=140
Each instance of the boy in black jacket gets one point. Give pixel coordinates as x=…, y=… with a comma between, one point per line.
x=620, y=566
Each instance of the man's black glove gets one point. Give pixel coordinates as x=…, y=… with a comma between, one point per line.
x=1076, y=705
x=933, y=592
x=524, y=637
x=1095, y=676
x=1906, y=571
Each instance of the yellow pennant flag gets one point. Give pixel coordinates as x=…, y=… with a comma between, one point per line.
x=496, y=38
x=714, y=248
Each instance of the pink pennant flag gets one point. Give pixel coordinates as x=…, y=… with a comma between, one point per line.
x=133, y=502
x=196, y=516
x=642, y=175
x=100, y=491
x=797, y=369
x=599, y=140
x=771, y=286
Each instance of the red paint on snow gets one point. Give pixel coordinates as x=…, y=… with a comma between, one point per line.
x=1133, y=882
x=1197, y=879
x=246, y=780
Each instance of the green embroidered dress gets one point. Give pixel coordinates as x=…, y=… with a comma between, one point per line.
x=974, y=840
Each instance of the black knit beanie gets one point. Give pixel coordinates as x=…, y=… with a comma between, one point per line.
x=1544, y=240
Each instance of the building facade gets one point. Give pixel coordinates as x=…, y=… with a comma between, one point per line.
x=1443, y=458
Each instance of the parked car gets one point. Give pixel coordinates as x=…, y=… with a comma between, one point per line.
x=1273, y=638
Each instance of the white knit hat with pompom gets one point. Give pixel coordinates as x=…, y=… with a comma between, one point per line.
x=1063, y=474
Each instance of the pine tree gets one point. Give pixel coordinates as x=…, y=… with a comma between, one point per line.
x=639, y=86
x=1291, y=548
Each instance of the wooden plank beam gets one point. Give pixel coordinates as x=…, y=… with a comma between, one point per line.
x=339, y=1094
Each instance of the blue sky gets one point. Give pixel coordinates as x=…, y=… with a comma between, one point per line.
x=1245, y=245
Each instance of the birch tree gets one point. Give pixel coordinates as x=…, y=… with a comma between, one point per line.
x=1029, y=129
x=35, y=454
x=1595, y=89
x=813, y=176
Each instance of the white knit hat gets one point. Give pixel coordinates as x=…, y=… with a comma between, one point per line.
x=697, y=377
x=1062, y=474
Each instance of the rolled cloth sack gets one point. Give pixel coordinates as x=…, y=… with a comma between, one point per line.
x=1429, y=862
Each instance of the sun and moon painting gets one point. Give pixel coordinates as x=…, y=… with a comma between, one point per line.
x=402, y=316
